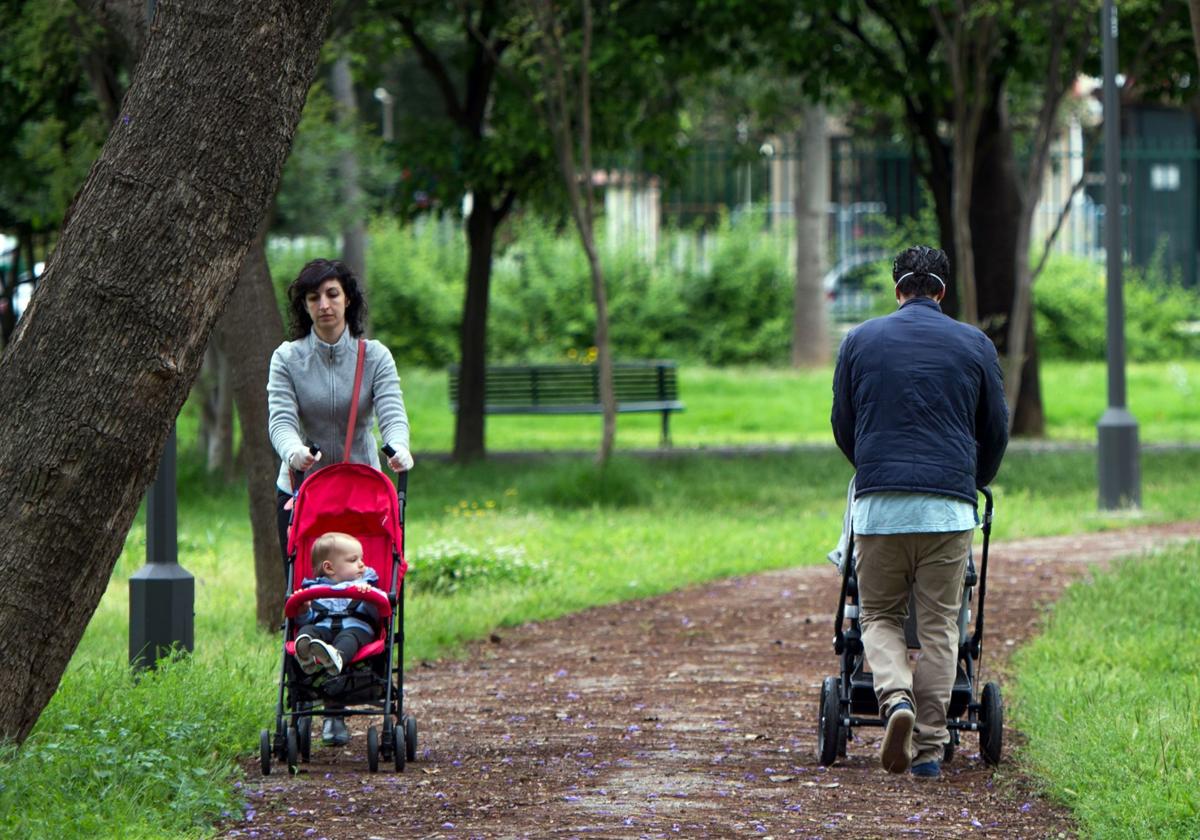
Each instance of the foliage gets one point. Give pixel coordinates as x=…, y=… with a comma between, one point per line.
x=735, y=309
x=1109, y=699
x=310, y=197
x=742, y=308
x=1070, y=302
x=51, y=126
x=450, y=565
x=117, y=756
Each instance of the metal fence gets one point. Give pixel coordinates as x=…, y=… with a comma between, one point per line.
x=873, y=187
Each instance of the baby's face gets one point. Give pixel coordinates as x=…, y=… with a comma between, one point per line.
x=346, y=565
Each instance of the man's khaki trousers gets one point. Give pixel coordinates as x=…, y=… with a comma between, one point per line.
x=932, y=566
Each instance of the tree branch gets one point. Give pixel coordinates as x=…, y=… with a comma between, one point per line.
x=435, y=67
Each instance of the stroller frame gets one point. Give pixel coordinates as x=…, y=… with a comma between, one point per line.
x=848, y=700
x=302, y=697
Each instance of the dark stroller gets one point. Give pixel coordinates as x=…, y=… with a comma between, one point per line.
x=358, y=500
x=848, y=700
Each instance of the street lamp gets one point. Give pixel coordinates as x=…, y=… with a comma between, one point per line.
x=1120, y=475
x=162, y=594
x=387, y=101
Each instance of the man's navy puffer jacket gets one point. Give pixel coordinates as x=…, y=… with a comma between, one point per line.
x=918, y=404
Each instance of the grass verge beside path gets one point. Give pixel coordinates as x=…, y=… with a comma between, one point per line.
x=492, y=545
x=1109, y=698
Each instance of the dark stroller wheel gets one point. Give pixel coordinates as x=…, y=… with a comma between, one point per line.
x=373, y=749
x=410, y=737
x=829, y=726
x=293, y=750
x=399, y=749
x=304, y=734
x=991, y=724
x=264, y=751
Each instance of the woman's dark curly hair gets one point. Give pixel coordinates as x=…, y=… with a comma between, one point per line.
x=926, y=271
x=309, y=280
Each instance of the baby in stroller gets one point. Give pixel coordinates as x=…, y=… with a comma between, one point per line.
x=334, y=629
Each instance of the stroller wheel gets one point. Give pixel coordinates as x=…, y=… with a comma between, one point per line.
x=829, y=735
x=264, y=751
x=293, y=750
x=948, y=750
x=399, y=749
x=304, y=737
x=410, y=737
x=991, y=724
x=373, y=750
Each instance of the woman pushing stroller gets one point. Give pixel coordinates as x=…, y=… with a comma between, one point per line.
x=309, y=388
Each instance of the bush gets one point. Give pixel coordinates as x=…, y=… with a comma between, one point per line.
x=1070, y=305
x=733, y=308
x=166, y=741
x=450, y=566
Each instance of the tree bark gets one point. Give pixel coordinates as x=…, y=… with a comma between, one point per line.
x=995, y=220
x=810, y=322
x=252, y=328
x=104, y=358
x=469, y=420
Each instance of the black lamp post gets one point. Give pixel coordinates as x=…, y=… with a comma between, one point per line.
x=162, y=594
x=1120, y=474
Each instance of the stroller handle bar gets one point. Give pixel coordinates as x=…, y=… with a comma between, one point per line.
x=401, y=478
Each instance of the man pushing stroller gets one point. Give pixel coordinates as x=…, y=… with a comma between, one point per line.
x=918, y=408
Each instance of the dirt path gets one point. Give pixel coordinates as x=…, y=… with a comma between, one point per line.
x=688, y=715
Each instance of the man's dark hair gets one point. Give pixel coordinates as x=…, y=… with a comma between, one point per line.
x=310, y=279
x=925, y=271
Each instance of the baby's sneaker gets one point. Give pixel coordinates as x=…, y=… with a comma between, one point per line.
x=304, y=654
x=326, y=656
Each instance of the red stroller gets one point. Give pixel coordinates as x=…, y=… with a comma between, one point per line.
x=359, y=500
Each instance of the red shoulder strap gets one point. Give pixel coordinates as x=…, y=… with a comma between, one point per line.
x=358, y=374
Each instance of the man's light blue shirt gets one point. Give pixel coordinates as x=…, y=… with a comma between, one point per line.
x=911, y=513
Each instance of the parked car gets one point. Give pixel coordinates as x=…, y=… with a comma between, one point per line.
x=849, y=290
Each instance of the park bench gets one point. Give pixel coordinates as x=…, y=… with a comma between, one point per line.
x=639, y=386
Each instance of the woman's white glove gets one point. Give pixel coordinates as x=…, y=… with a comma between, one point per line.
x=402, y=461
x=301, y=459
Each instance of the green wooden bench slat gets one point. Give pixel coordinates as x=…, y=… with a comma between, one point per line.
x=639, y=386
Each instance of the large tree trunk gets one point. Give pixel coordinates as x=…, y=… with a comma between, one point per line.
x=995, y=221
x=810, y=322
x=469, y=422
x=252, y=328
x=104, y=358
x=354, y=233
x=1000, y=242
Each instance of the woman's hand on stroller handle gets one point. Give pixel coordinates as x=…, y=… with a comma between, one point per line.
x=301, y=459
x=400, y=460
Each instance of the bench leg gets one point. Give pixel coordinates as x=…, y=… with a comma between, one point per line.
x=665, y=443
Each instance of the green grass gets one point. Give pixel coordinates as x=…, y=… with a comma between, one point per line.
x=640, y=528
x=769, y=406
x=1109, y=698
